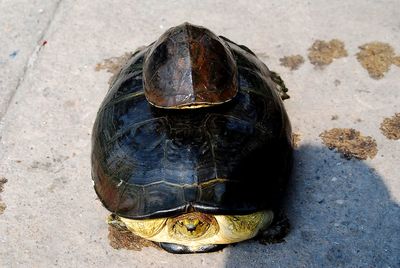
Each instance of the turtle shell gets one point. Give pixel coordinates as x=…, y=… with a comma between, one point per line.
x=189, y=67
x=231, y=158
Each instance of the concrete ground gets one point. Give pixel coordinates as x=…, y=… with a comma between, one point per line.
x=344, y=213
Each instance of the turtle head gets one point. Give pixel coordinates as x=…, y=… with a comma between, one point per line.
x=189, y=67
x=192, y=226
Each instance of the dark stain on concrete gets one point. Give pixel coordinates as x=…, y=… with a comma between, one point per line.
x=121, y=238
x=113, y=65
x=376, y=58
x=350, y=143
x=334, y=117
x=390, y=127
x=2, y=204
x=322, y=53
x=292, y=62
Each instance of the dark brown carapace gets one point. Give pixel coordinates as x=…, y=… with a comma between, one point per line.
x=189, y=67
x=228, y=159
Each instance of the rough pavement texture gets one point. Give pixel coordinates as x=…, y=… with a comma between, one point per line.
x=23, y=26
x=343, y=213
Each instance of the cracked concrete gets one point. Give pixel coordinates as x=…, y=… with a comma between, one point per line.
x=344, y=213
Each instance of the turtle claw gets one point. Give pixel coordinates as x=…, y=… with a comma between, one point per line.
x=280, y=85
x=114, y=220
x=276, y=232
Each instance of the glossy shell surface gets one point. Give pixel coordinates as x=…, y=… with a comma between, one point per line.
x=187, y=67
x=231, y=158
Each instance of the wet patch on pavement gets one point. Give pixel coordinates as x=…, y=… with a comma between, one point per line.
x=121, y=238
x=376, y=58
x=113, y=65
x=2, y=204
x=390, y=127
x=322, y=53
x=334, y=117
x=350, y=143
x=292, y=62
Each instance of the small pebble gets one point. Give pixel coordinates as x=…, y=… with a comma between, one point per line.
x=14, y=54
x=339, y=201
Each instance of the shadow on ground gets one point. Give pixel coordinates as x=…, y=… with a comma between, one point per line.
x=341, y=215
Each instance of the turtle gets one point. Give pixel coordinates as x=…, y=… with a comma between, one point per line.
x=192, y=146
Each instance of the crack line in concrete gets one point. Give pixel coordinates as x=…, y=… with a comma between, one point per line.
x=29, y=63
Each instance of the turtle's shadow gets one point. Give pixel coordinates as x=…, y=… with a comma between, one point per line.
x=341, y=214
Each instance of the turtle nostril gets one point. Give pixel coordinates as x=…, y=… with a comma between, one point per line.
x=190, y=227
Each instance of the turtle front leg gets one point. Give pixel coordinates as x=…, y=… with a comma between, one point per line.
x=276, y=232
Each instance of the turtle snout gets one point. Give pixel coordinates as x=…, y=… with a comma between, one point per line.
x=191, y=224
x=190, y=227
